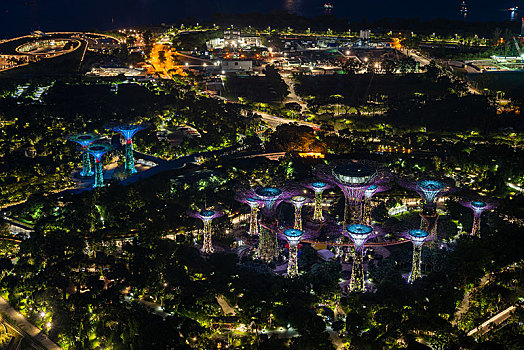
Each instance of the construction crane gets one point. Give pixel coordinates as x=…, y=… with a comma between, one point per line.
x=518, y=47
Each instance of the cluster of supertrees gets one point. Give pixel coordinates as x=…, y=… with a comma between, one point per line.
x=90, y=146
x=359, y=182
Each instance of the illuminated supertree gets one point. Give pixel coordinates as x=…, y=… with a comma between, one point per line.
x=254, y=224
x=97, y=150
x=293, y=237
x=478, y=206
x=207, y=217
x=429, y=190
x=359, y=234
x=417, y=237
x=298, y=201
x=128, y=132
x=353, y=178
x=84, y=140
x=268, y=199
x=318, y=187
x=368, y=194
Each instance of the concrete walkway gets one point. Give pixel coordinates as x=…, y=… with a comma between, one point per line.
x=226, y=308
x=25, y=326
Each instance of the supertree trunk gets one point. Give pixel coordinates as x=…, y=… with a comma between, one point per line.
x=317, y=215
x=417, y=261
x=475, y=231
x=129, y=165
x=356, y=283
x=207, y=247
x=347, y=214
x=86, y=165
x=267, y=244
x=254, y=226
x=298, y=218
x=99, y=176
x=292, y=265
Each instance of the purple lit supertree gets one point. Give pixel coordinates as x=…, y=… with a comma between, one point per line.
x=293, y=237
x=429, y=190
x=207, y=217
x=254, y=205
x=478, y=205
x=353, y=178
x=298, y=201
x=359, y=234
x=368, y=194
x=417, y=237
x=128, y=132
x=97, y=150
x=268, y=199
x=84, y=140
x=318, y=187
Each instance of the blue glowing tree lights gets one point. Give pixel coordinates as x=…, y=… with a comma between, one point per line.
x=84, y=140
x=128, y=132
x=97, y=150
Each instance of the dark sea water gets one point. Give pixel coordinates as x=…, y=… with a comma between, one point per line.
x=22, y=16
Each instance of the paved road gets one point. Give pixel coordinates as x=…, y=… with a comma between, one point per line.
x=275, y=121
x=22, y=323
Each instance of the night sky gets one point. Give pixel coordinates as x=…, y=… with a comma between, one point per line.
x=22, y=16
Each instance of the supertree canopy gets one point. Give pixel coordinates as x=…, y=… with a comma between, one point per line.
x=368, y=194
x=417, y=237
x=207, y=217
x=298, y=201
x=97, y=150
x=293, y=237
x=359, y=234
x=353, y=178
x=84, y=140
x=429, y=190
x=128, y=132
x=318, y=187
x=478, y=205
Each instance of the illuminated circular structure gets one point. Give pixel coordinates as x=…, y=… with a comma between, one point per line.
x=321, y=186
x=128, y=131
x=359, y=234
x=353, y=178
x=268, y=192
x=293, y=237
x=298, y=202
x=207, y=217
x=48, y=47
x=207, y=214
x=97, y=150
x=354, y=173
x=84, y=140
x=417, y=237
x=265, y=199
x=478, y=206
x=431, y=189
x=318, y=187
